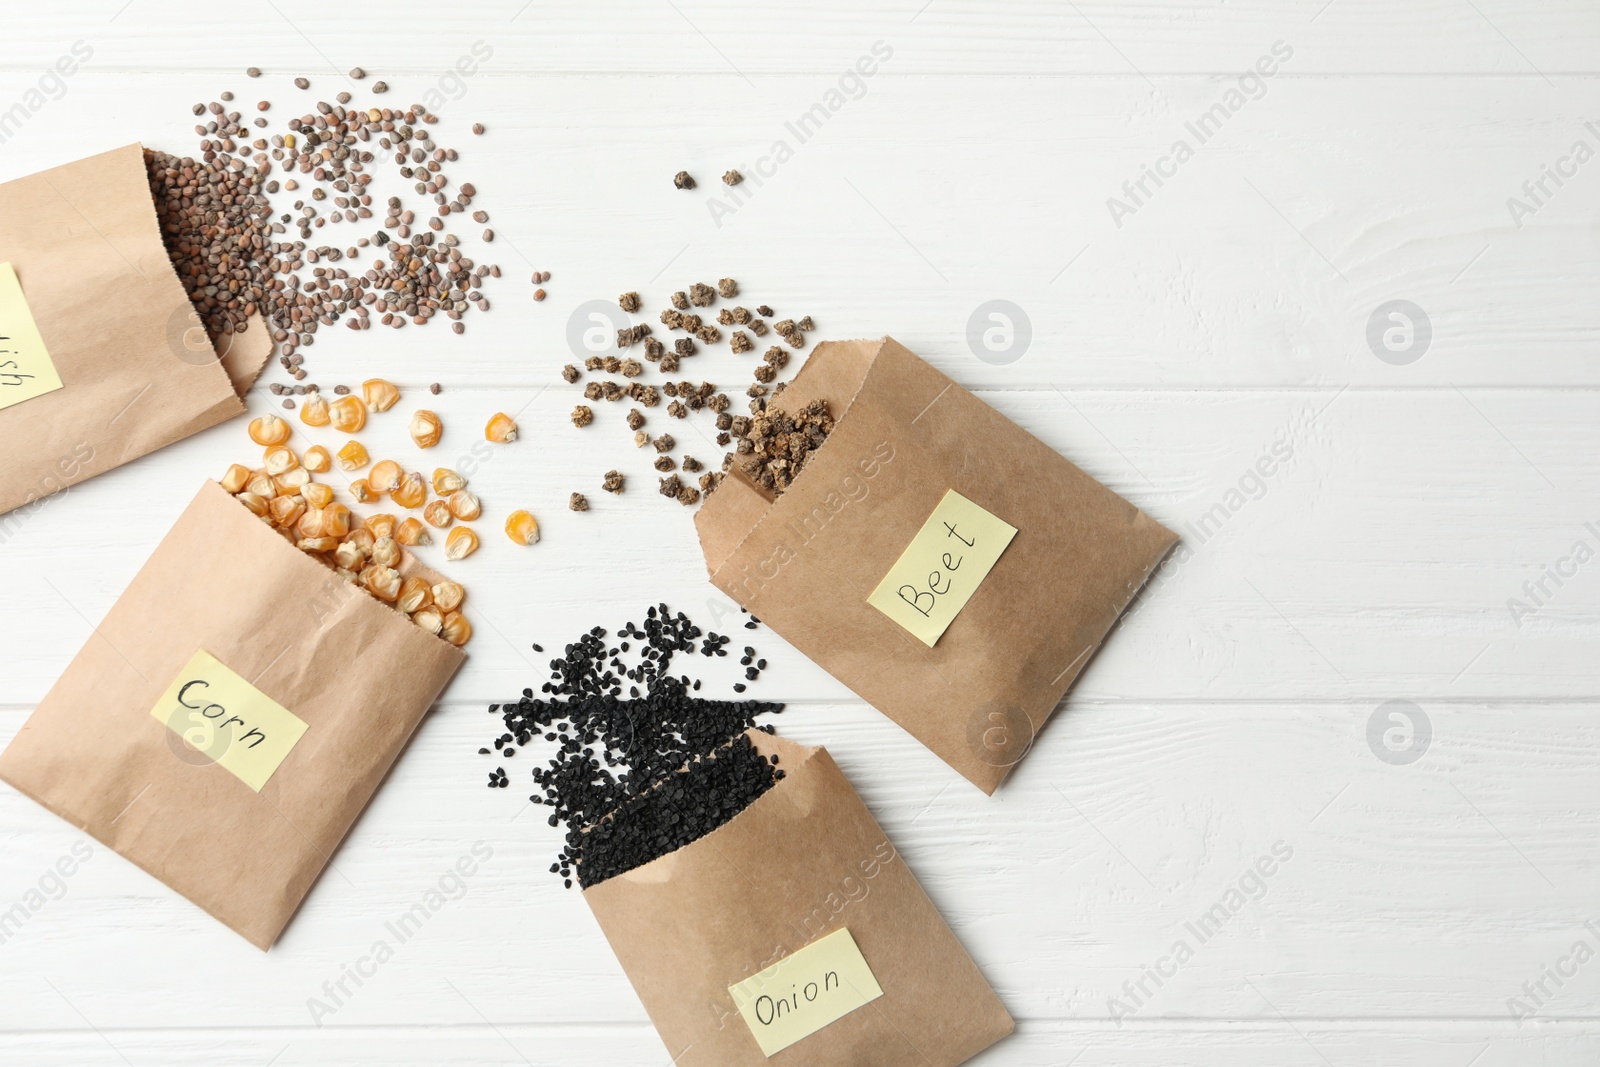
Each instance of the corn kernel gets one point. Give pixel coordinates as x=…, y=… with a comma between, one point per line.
x=317, y=544
x=456, y=629
x=385, y=476
x=255, y=502
x=448, y=595
x=260, y=484
x=289, y=482
x=426, y=429
x=414, y=595
x=314, y=410
x=412, y=532
x=381, y=525
x=316, y=460
x=386, y=552
x=437, y=514
x=236, y=479
x=362, y=538
x=464, y=505
x=269, y=430
x=382, y=582
x=447, y=481
x=522, y=528
x=310, y=524
x=429, y=619
x=362, y=492
x=316, y=494
x=502, y=429
x=461, y=543
x=353, y=456
x=380, y=395
x=348, y=414
x=412, y=492
x=349, y=556
x=286, y=510
x=345, y=573
x=335, y=520
x=280, y=459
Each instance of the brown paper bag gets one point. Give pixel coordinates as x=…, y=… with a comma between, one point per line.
x=137, y=369
x=905, y=435
x=802, y=862
x=357, y=673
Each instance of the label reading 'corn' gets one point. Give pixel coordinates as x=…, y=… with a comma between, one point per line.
x=803, y=992
x=25, y=367
x=942, y=567
x=228, y=720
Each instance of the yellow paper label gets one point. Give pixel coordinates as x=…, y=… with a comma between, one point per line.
x=228, y=720
x=942, y=567
x=25, y=367
x=803, y=992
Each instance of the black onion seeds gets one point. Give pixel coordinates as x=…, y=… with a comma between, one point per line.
x=642, y=765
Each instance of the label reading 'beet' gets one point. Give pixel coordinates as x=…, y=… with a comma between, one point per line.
x=228, y=721
x=942, y=567
x=25, y=367
x=805, y=991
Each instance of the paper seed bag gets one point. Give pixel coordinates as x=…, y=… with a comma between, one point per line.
x=102, y=357
x=935, y=557
x=795, y=935
x=231, y=716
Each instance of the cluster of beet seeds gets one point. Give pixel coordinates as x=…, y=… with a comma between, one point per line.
x=642, y=766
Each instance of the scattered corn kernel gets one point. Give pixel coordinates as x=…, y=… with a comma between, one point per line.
x=348, y=414
x=335, y=520
x=362, y=492
x=381, y=525
x=314, y=411
x=522, y=528
x=456, y=629
x=464, y=505
x=361, y=538
x=269, y=430
x=502, y=429
x=437, y=514
x=291, y=481
x=317, y=494
x=349, y=556
x=353, y=456
x=461, y=543
x=236, y=479
x=447, y=481
x=380, y=395
x=414, y=595
x=280, y=459
x=429, y=620
x=426, y=429
x=448, y=595
x=316, y=460
x=386, y=552
x=257, y=503
x=384, y=476
x=382, y=582
x=286, y=510
x=412, y=492
x=260, y=484
x=412, y=532
x=317, y=544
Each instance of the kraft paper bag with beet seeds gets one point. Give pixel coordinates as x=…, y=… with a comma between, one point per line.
x=231, y=716
x=931, y=554
x=102, y=356
x=795, y=935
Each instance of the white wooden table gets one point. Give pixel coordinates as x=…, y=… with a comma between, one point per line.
x=1175, y=340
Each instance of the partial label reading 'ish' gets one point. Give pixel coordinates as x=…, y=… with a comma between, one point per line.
x=942, y=567
x=25, y=367
x=228, y=720
x=803, y=992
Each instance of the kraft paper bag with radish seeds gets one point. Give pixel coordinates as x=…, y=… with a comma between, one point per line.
x=938, y=559
x=102, y=356
x=795, y=935
x=230, y=718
